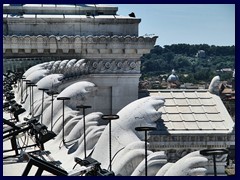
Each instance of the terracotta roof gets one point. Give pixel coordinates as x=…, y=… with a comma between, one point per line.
x=228, y=91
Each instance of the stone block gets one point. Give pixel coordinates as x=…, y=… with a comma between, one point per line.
x=117, y=51
x=130, y=51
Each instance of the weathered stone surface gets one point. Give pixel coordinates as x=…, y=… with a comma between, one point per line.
x=86, y=47
x=77, y=9
x=70, y=25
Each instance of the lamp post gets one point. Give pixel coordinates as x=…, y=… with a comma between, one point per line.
x=43, y=90
x=63, y=100
x=110, y=118
x=84, y=127
x=31, y=85
x=213, y=152
x=21, y=84
x=145, y=129
x=51, y=92
x=26, y=81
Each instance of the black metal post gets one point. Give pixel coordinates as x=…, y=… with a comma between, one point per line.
x=110, y=118
x=84, y=128
x=52, y=114
x=33, y=100
x=145, y=129
x=214, y=165
x=110, y=145
x=29, y=85
x=146, y=153
x=21, y=82
x=52, y=94
x=31, y=109
x=43, y=90
x=27, y=81
x=214, y=152
x=21, y=90
x=63, y=99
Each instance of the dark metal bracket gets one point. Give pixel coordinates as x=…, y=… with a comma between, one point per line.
x=42, y=166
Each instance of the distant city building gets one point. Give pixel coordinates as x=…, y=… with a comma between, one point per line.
x=225, y=70
x=173, y=80
x=188, y=86
x=192, y=120
x=201, y=54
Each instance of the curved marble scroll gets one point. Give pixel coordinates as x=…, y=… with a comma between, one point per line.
x=214, y=85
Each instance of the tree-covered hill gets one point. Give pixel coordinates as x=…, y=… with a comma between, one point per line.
x=193, y=63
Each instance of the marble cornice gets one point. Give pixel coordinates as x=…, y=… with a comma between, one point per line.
x=80, y=44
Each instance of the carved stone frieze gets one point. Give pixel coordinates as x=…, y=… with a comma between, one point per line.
x=92, y=45
x=74, y=68
x=113, y=66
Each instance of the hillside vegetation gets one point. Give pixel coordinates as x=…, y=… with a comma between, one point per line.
x=190, y=65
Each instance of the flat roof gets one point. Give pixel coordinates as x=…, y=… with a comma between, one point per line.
x=62, y=16
x=96, y=9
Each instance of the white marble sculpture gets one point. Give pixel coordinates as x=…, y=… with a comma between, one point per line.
x=143, y=112
x=214, y=85
x=127, y=144
x=193, y=164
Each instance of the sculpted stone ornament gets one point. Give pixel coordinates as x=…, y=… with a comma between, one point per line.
x=119, y=65
x=74, y=68
x=214, y=85
x=132, y=65
x=87, y=45
x=193, y=164
x=127, y=144
x=95, y=65
x=138, y=113
x=107, y=65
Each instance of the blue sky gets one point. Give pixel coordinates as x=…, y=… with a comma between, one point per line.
x=212, y=24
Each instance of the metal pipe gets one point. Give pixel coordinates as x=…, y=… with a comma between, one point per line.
x=146, y=153
x=52, y=94
x=110, y=118
x=43, y=90
x=213, y=152
x=30, y=98
x=110, y=145
x=21, y=84
x=145, y=129
x=84, y=128
x=63, y=123
x=52, y=114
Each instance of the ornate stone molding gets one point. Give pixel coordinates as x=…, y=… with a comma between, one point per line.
x=71, y=9
x=101, y=66
x=92, y=46
x=113, y=66
x=75, y=68
x=78, y=67
x=165, y=142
